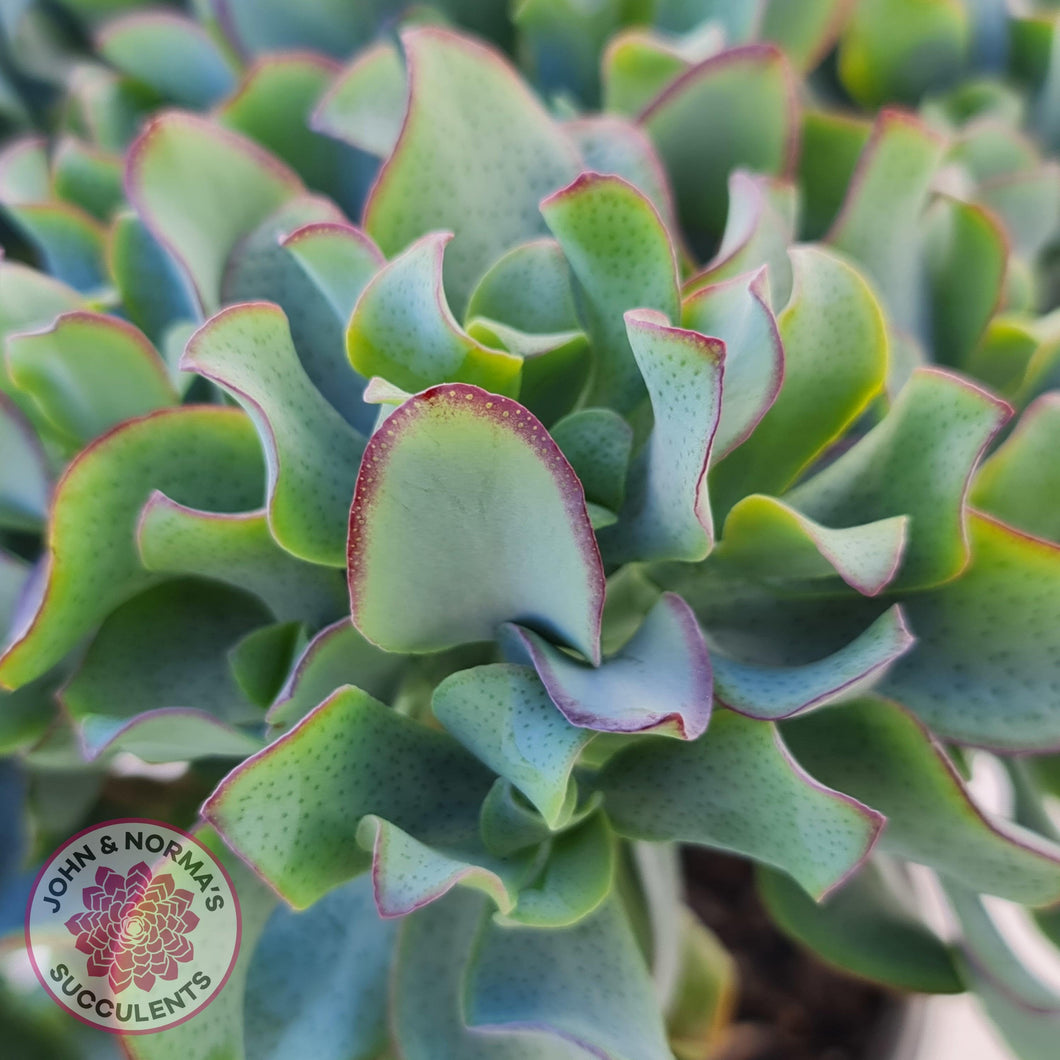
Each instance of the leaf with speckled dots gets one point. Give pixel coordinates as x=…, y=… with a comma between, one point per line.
x=659, y=682
x=880, y=223
x=337, y=655
x=529, y=550
x=611, y=144
x=737, y=312
x=466, y=102
x=523, y=978
x=597, y=442
x=408, y=874
x=865, y=928
x=986, y=667
x=776, y=692
x=529, y=288
x=24, y=473
x=403, y=330
x=237, y=549
x=434, y=948
x=311, y=452
x=162, y=657
x=877, y=752
x=503, y=715
x=578, y=875
x=200, y=189
x=88, y=372
x=767, y=539
x=339, y=258
x=622, y=258
x=739, y=789
x=293, y=811
x=733, y=110
x=1020, y=483
x=92, y=564
x=835, y=363
x=667, y=513
x=918, y=461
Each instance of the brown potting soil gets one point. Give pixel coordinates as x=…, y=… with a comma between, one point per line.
x=790, y=1006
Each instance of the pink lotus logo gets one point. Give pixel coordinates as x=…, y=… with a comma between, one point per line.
x=134, y=928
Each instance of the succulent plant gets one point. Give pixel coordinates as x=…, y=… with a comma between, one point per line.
x=491, y=477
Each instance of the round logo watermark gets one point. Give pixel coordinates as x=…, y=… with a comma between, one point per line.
x=133, y=926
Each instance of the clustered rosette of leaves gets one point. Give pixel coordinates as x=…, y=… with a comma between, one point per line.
x=675, y=417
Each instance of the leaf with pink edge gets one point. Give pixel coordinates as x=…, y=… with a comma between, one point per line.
x=880, y=222
x=525, y=979
x=835, y=363
x=239, y=550
x=918, y=461
x=775, y=692
x=667, y=513
x=1020, y=482
x=87, y=373
x=733, y=110
x=337, y=655
x=986, y=665
x=408, y=874
x=767, y=539
x=261, y=269
x=172, y=55
x=91, y=562
x=403, y=330
x=273, y=107
x=25, y=478
x=364, y=759
x=638, y=63
x=311, y=452
x=340, y=259
x=613, y=145
x=432, y=960
x=879, y=753
x=529, y=550
x=503, y=715
x=622, y=258
x=200, y=189
x=162, y=658
x=738, y=313
x=660, y=681
x=365, y=105
x=759, y=228
x=739, y=789
x=466, y=102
